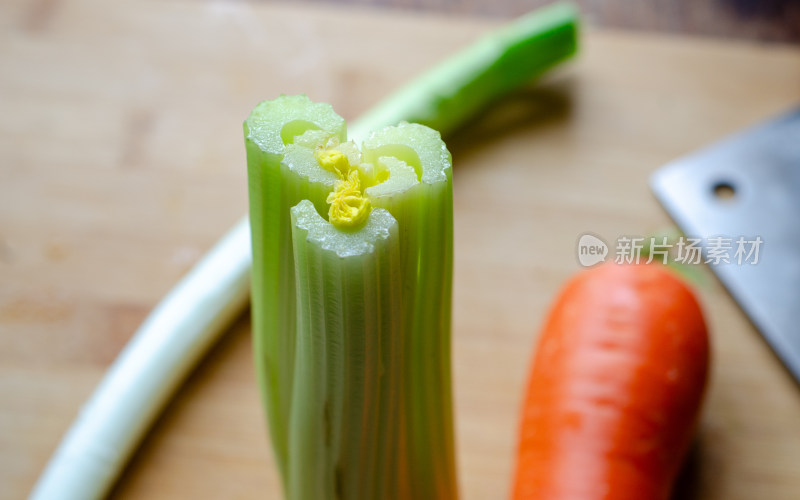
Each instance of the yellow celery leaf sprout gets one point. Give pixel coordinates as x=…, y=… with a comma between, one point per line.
x=334, y=161
x=349, y=207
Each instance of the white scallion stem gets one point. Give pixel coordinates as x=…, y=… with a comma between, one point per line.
x=170, y=342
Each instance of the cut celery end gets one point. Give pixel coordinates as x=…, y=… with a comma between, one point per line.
x=306, y=220
x=417, y=145
x=302, y=177
x=401, y=178
x=274, y=124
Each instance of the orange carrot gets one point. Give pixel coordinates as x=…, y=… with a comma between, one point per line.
x=615, y=388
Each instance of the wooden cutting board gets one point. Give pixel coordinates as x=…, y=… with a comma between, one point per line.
x=122, y=161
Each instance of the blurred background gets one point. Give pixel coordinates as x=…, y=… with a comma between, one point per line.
x=122, y=163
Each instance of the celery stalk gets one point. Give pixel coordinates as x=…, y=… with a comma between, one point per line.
x=425, y=217
x=370, y=409
x=269, y=128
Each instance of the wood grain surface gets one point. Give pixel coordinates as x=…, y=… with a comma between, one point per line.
x=122, y=161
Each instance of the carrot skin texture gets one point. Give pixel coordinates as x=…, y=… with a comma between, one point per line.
x=615, y=388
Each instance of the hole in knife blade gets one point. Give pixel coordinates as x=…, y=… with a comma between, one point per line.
x=724, y=191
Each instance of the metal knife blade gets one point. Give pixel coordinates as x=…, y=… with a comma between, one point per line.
x=748, y=185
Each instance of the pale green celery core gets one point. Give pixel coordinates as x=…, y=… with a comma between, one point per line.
x=401, y=178
x=382, y=176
